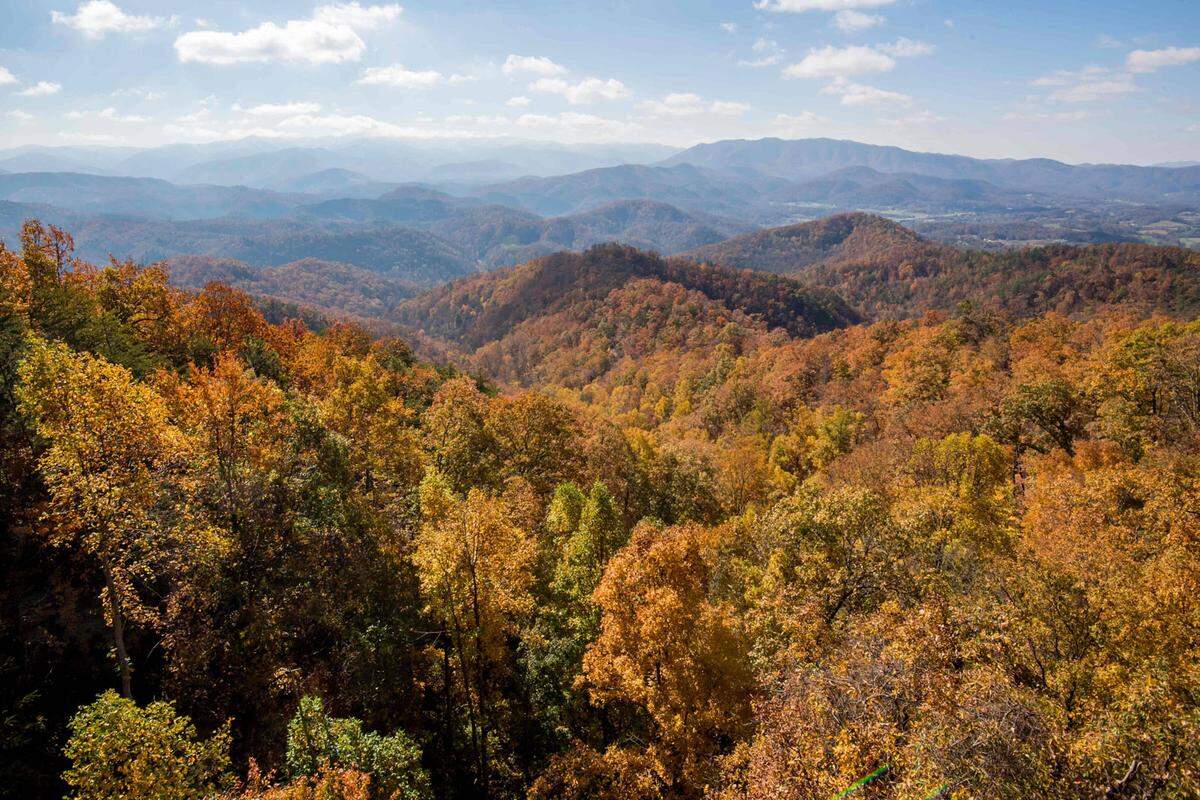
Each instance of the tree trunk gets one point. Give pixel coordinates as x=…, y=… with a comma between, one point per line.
x=118, y=630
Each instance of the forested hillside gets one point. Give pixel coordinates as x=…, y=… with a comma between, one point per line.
x=331, y=287
x=888, y=271
x=712, y=535
x=568, y=318
x=411, y=234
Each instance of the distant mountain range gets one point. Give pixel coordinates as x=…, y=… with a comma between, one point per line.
x=416, y=235
x=268, y=164
x=144, y=197
x=803, y=159
x=268, y=205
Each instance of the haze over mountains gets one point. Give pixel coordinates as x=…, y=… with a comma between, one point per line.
x=481, y=206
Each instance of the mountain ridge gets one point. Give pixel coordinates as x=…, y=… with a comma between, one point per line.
x=797, y=159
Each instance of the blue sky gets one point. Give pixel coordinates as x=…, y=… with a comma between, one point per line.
x=1105, y=80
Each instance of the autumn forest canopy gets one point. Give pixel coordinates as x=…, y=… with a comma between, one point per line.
x=526, y=400
x=821, y=508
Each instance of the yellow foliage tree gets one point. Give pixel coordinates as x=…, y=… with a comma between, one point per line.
x=476, y=569
x=106, y=438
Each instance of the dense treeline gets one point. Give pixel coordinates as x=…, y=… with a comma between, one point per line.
x=957, y=555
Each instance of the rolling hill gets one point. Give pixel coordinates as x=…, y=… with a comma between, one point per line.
x=570, y=317
x=887, y=270
x=403, y=253
x=684, y=185
x=759, y=197
x=329, y=286
x=414, y=233
x=143, y=197
x=501, y=236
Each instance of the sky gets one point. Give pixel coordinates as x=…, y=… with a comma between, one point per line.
x=1077, y=80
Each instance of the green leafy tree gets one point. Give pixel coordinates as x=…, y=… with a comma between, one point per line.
x=317, y=742
x=122, y=751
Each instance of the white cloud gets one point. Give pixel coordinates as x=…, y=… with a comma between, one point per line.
x=492, y=120
x=906, y=48
x=356, y=15
x=458, y=79
x=400, y=76
x=535, y=65
x=798, y=6
x=766, y=61
x=729, y=27
x=857, y=94
x=1046, y=116
x=685, y=104
x=568, y=126
x=203, y=115
x=6, y=77
x=346, y=125
x=1066, y=77
x=78, y=137
x=769, y=53
x=1150, y=60
x=112, y=115
x=850, y=21
x=1089, y=91
x=728, y=108
x=518, y=102
x=98, y=18
x=915, y=119
x=143, y=94
x=1086, y=85
x=41, y=89
x=586, y=91
x=800, y=124
x=280, y=109
x=331, y=35
x=22, y=117
x=1106, y=41
x=836, y=61
x=578, y=126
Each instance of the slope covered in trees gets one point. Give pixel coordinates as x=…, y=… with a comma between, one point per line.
x=568, y=317
x=328, y=286
x=501, y=238
x=887, y=270
x=413, y=233
x=840, y=239
x=956, y=554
